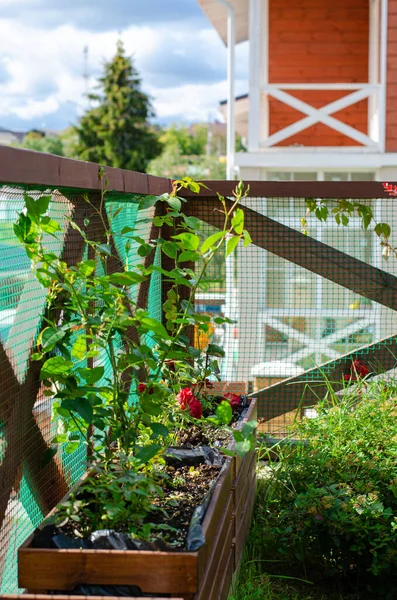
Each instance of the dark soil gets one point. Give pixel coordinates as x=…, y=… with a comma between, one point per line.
x=185, y=489
x=191, y=437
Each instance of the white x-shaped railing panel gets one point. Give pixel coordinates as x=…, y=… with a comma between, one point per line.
x=320, y=115
x=312, y=345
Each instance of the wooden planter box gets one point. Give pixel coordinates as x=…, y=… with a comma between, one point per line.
x=202, y=575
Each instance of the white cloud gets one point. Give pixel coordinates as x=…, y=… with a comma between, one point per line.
x=45, y=68
x=194, y=102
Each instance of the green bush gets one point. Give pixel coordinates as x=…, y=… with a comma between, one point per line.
x=331, y=501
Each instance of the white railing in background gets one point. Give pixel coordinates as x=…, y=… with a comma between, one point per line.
x=359, y=91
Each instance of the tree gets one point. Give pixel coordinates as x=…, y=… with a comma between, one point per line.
x=198, y=150
x=116, y=131
x=35, y=140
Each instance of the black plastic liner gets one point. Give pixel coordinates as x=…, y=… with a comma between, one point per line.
x=192, y=457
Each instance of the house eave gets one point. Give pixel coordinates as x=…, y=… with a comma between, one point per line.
x=217, y=14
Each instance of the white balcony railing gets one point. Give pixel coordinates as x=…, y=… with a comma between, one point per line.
x=358, y=92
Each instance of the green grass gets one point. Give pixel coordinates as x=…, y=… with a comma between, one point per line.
x=260, y=579
x=325, y=519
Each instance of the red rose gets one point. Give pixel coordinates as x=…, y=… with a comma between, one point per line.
x=195, y=408
x=185, y=397
x=360, y=368
x=233, y=399
x=391, y=189
x=350, y=377
x=142, y=387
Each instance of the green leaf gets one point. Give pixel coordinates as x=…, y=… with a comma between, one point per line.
x=126, y=278
x=37, y=208
x=215, y=350
x=231, y=244
x=87, y=267
x=386, y=230
x=61, y=438
x=243, y=447
x=188, y=255
x=195, y=352
x=147, y=202
x=72, y=447
x=220, y=320
x=170, y=249
x=145, y=250
x=81, y=406
x=175, y=203
x=155, y=326
x=148, y=452
x=150, y=407
x=189, y=241
x=55, y=366
x=211, y=241
x=44, y=276
x=32, y=210
x=50, y=226
x=321, y=212
x=224, y=412
x=238, y=436
x=192, y=222
x=249, y=428
x=79, y=348
x=238, y=221
x=227, y=452
x=127, y=230
x=382, y=229
x=49, y=338
x=22, y=227
x=247, y=238
x=92, y=375
x=104, y=249
x=42, y=204
x=344, y=220
x=159, y=430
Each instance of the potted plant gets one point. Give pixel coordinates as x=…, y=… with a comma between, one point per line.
x=129, y=386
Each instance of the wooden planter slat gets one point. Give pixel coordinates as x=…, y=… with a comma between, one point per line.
x=202, y=575
x=244, y=489
x=216, y=567
x=210, y=562
x=63, y=597
x=247, y=467
x=243, y=527
x=64, y=569
x=214, y=520
x=227, y=577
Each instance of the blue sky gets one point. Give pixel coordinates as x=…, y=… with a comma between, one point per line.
x=180, y=58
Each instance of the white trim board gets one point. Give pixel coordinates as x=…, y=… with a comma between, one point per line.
x=343, y=158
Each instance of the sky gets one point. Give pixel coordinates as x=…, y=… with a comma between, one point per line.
x=180, y=58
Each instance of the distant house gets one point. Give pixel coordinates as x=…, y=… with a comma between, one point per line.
x=8, y=137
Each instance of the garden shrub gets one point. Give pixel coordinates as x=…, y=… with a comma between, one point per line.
x=330, y=505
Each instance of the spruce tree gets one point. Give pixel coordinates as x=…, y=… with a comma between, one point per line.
x=116, y=132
